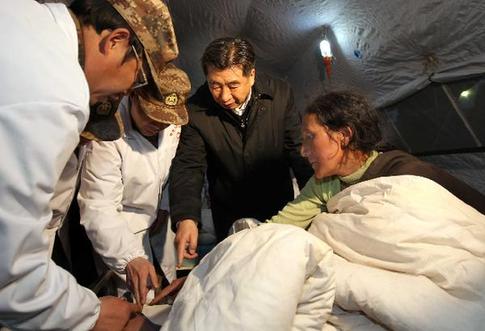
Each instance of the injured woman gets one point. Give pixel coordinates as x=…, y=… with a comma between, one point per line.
x=393, y=243
x=408, y=238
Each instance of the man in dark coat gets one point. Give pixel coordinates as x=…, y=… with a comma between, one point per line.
x=245, y=134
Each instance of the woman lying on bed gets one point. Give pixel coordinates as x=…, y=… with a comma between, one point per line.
x=340, y=137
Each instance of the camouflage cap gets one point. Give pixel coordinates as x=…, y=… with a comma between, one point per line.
x=168, y=107
x=104, y=121
x=150, y=20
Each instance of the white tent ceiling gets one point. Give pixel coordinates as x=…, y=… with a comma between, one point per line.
x=401, y=43
x=386, y=49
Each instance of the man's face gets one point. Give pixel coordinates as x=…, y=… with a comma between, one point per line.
x=113, y=69
x=229, y=87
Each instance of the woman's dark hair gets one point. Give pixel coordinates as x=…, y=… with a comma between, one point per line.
x=338, y=110
x=101, y=15
x=223, y=53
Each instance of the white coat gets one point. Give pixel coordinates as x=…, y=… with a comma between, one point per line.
x=44, y=105
x=121, y=185
x=61, y=201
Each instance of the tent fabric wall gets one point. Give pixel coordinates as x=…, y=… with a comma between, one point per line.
x=473, y=67
x=401, y=45
x=469, y=167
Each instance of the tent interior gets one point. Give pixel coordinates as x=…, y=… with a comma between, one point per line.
x=421, y=63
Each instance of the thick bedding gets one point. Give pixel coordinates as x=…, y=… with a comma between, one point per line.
x=410, y=254
x=273, y=277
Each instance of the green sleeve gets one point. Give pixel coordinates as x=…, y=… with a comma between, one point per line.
x=310, y=202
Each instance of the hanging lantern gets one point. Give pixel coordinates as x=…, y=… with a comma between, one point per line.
x=327, y=56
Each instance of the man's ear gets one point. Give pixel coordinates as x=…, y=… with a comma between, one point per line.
x=252, y=76
x=115, y=40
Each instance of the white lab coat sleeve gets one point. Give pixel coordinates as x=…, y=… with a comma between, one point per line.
x=100, y=202
x=36, y=140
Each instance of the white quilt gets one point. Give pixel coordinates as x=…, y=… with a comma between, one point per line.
x=273, y=277
x=411, y=255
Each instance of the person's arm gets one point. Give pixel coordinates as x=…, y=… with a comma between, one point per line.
x=100, y=196
x=36, y=141
x=100, y=204
x=309, y=203
x=185, y=186
x=292, y=143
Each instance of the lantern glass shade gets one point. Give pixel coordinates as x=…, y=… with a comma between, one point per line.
x=325, y=48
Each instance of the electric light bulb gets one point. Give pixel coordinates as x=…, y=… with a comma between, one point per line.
x=465, y=94
x=325, y=48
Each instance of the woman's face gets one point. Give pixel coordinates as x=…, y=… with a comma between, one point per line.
x=322, y=147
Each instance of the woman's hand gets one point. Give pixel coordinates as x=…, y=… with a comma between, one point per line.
x=171, y=289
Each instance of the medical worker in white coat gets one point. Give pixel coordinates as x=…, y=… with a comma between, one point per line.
x=44, y=106
x=122, y=183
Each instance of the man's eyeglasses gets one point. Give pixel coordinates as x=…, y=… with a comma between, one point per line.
x=141, y=77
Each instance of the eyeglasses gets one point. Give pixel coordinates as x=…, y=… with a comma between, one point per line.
x=141, y=77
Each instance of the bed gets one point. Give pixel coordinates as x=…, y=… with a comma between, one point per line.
x=392, y=253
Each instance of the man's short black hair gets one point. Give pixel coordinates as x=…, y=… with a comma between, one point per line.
x=101, y=15
x=224, y=53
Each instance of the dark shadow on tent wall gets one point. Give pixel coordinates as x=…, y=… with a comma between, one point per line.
x=439, y=119
x=443, y=124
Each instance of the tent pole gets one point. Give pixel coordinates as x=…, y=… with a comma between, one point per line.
x=461, y=115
